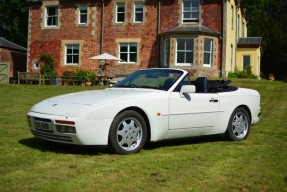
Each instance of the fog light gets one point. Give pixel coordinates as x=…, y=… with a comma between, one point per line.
x=66, y=129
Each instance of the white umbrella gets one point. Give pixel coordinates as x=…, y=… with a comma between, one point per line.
x=105, y=56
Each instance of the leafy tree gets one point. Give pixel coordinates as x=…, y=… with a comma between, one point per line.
x=268, y=19
x=14, y=21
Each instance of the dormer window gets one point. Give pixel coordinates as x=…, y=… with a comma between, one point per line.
x=190, y=11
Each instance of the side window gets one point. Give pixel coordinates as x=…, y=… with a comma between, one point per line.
x=207, y=58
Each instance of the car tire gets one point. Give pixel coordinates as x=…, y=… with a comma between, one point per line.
x=238, y=126
x=128, y=133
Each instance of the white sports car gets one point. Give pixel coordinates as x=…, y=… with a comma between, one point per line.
x=149, y=105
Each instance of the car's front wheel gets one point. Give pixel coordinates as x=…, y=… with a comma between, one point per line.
x=239, y=125
x=128, y=133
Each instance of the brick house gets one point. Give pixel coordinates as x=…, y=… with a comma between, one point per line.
x=190, y=34
x=13, y=58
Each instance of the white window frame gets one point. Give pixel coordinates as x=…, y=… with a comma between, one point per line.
x=128, y=52
x=55, y=17
x=209, y=52
x=138, y=9
x=119, y=5
x=83, y=11
x=191, y=11
x=72, y=54
x=185, y=51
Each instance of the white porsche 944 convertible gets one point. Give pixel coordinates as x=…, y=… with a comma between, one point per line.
x=149, y=105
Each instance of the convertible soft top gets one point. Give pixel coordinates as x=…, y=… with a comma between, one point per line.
x=203, y=85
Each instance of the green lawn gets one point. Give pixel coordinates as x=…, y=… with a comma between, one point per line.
x=194, y=164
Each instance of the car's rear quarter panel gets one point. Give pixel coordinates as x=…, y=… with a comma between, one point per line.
x=229, y=101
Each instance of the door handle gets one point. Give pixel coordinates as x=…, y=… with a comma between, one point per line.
x=213, y=100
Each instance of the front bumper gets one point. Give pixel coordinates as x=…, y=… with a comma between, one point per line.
x=84, y=131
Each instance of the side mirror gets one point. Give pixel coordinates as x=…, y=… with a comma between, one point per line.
x=185, y=89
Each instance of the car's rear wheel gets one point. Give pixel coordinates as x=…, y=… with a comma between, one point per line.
x=128, y=133
x=239, y=125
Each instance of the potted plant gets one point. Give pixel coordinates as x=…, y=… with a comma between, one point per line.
x=89, y=78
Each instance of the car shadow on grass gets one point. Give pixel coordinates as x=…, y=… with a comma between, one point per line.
x=185, y=141
x=47, y=146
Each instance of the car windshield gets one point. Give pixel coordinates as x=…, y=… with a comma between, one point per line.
x=160, y=79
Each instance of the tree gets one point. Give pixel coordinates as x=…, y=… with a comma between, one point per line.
x=268, y=19
x=14, y=21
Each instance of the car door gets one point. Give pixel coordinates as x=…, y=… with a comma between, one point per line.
x=195, y=110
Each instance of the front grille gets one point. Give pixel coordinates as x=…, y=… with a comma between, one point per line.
x=51, y=136
x=41, y=119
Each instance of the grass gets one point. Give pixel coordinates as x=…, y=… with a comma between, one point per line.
x=194, y=164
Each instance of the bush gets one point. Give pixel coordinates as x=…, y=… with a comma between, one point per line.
x=85, y=75
x=69, y=74
x=246, y=73
x=47, y=64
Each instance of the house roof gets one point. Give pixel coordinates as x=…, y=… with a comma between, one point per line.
x=252, y=42
x=191, y=29
x=10, y=45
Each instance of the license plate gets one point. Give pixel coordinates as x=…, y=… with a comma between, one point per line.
x=42, y=126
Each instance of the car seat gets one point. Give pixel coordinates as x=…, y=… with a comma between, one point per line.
x=201, y=85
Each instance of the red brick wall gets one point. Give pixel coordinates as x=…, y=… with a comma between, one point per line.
x=211, y=14
x=170, y=15
x=147, y=32
x=15, y=59
x=49, y=40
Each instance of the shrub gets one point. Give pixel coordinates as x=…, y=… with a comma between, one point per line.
x=85, y=75
x=69, y=74
x=47, y=64
x=245, y=73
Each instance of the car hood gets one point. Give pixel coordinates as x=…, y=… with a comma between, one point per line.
x=77, y=104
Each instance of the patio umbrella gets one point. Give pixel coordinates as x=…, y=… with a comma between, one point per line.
x=105, y=56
